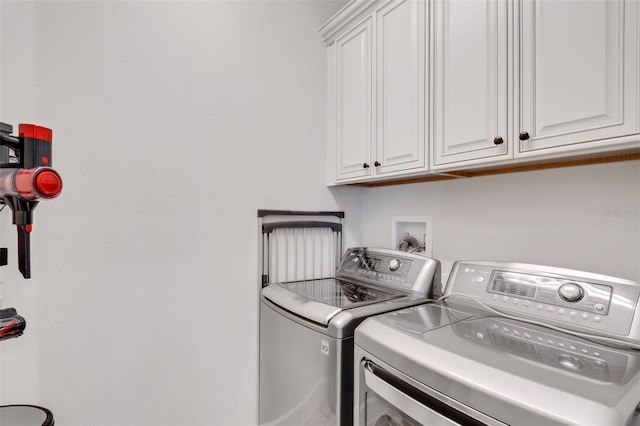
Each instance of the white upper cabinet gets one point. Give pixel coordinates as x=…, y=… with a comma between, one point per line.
x=377, y=84
x=419, y=87
x=578, y=74
x=400, y=88
x=353, y=105
x=469, y=78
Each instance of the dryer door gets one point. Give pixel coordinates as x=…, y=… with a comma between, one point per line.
x=391, y=400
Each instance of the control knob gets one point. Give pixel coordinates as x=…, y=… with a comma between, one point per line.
x=394, y=264
x=570, y=363
x=571, y=292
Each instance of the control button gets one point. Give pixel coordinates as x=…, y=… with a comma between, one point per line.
x=514, y=301
x=394, y=264
x=597, y=318
x=562, y=311
x=550, y=309
x=479, y=335
x=572, y=313
x=585, y=316
x=540, y=306
x=527, y=335
x=571, y=292
x=494, y=297
x=505, y=299
x=570, y=363
x=526, y=304
x=599, y=307
x=479, y=279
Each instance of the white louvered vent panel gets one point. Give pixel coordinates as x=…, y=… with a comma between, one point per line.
x=302, y=253
x=300, y=246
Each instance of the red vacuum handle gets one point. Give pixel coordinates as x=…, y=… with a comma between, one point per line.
x=23, y=183
x=30, y=184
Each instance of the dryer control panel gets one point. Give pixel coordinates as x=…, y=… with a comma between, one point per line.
x=572, y=294
x=566, y=298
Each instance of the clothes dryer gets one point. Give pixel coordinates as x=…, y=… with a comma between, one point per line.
x=508, y=344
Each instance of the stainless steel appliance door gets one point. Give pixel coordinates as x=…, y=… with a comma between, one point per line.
x=305, y=375
x=384, y=398
x=387, y=405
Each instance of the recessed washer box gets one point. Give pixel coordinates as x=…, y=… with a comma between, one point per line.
x=416, y=226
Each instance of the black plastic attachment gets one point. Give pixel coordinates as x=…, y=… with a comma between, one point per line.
x=7, y=142
x=267, y=212
x=22, y=218
x=11, y=324
x=6, y=128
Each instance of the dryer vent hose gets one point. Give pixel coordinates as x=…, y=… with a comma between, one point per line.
x=408, y=243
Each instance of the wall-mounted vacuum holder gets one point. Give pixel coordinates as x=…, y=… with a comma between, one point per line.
x=26, y=177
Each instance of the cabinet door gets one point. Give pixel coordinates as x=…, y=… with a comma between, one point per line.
x=354, y=69
x=400, y=87
x=579, y=72
x=469, y=78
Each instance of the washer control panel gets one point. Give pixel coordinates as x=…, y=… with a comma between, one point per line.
x=379, y=267
x=391, y=268
x=567, y=298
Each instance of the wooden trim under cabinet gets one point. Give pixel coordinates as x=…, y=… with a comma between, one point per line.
x=514, y=168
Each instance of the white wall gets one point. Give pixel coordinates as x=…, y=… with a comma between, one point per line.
x=585, y=218
x=174, y=122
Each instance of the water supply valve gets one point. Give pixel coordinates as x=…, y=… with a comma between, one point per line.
x=26, y=177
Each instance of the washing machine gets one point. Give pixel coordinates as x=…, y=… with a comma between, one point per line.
x=507, y=344
x=306, y=332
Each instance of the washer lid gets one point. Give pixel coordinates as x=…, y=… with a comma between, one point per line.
x=322, y=299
